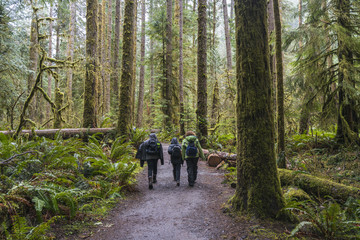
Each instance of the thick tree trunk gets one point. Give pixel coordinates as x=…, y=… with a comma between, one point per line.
x=258, y=189
x=124, y=121
x=201, y=112
x=57, y=44
x=59, y=99
x=168, y=111
x=227, y=38
x=280, y=86
x=70, y=55
x=49, y=87
x=33, y=63
x=181, y=69
x=133, y=83
x=100, y=54
x=89, y=117
x=140, y=109
x=108, y=58
x=115, y=61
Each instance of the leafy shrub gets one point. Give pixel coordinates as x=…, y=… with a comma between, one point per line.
x=328, y=219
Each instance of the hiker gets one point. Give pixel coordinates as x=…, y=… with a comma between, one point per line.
x=191, y=150
x=176, y=159
x=151, y=151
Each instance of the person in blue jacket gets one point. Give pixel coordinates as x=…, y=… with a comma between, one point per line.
x=151, y=151
x=176, y=159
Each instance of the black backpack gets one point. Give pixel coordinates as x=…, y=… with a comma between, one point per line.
x=176, y=152
x=191, y=149
x=152, y=147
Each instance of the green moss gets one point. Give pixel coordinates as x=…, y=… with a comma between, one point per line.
x=294, y=193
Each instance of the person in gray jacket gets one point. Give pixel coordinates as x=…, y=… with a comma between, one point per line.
x=151, y=151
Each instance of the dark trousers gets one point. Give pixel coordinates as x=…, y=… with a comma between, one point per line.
x=152, y=167
x=192, y=168
x=176, y=171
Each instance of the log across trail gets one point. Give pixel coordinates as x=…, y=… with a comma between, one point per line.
x=171, y=212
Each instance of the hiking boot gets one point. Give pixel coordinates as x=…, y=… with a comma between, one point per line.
x=154, y=179
x=178, y=183
x=191, y=184
x=150, y=183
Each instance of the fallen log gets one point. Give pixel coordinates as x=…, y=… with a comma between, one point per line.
x=65, y=132
x=317, y=186
x=213, y=160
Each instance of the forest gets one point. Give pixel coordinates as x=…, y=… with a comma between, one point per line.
x=275, y=82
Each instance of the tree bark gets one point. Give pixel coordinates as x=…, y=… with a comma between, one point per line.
x=181, y=69
x=115, y=64
x=140, y=109
x=70, y=56
x=89, y=117
x=108, y=58
x=124, y=121
x=168, y=111
x=49, y=87
x=201, y=112
x=280, y=86
x=33, y=62
x=100, y=53
x=227, y=38
x=258, y=191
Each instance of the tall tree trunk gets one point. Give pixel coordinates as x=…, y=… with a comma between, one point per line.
x=215, y=104
x=70, y=56
x=100, y=53
x=115, y=62
x=48, y=109
x=181, y=69
x=108, y=58
x=347, y=129
x=139, y=116
x=57, y=45
x=124, y=121
x=89, y=117
x=280, y=87
x=168, y=111
x=304, y=113
x=258, y=189
x=33, y=62
x=201, y=111
x=133, y=83
x=152, y=101
x=227, y=38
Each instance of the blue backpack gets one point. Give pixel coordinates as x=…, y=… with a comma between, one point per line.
x=191, y=149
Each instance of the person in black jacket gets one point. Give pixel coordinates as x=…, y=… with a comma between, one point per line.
x=151, y=151
x=176, y=159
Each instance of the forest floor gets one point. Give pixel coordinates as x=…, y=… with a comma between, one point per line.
x=169, y=212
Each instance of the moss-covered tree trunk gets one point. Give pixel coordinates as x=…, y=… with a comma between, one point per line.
x=280, y=87
x=124, y=121
x=89, y=117
x=33, y=63
x=49, y=86
x=115, y=60
x=70, y=56
x=140, y=108
x=215, y=104
x=258, y=191
x=201, y=111
x=59, y=99
x=133, y=83
x=107, y=85
x=181, y=69
x=100, y=68
x=347, y=117
x=168, y=108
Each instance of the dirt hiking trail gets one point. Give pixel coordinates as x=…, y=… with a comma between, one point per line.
x=169, y=212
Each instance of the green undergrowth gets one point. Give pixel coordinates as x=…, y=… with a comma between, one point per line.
x=44, y=182
x=320, y=218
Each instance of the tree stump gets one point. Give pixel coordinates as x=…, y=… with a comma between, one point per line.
x=213, y=160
